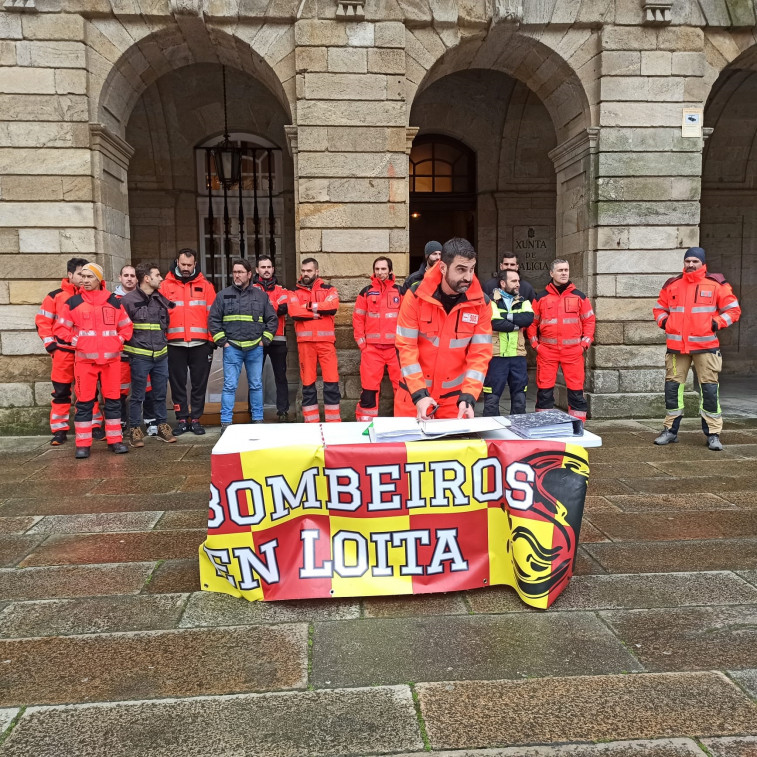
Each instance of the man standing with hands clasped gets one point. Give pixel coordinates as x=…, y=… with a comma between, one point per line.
x=691, y=309
x=444, y=339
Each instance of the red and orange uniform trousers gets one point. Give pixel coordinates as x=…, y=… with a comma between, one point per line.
x=87, y=373
x=373, y=359
x=312, y=353
x=62, y=377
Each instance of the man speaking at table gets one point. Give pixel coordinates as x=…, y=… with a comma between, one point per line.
x=444, y=339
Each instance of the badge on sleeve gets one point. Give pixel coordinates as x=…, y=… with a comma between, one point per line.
x=469, y=318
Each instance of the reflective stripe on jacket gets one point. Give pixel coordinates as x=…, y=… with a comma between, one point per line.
x=96, y=325
x=443, y=355
x=374, y=319
x=687, y=306
x=279, y=298
x=243, y=317
x=510, y=319
x=150, y=316
x=313, y=309
x=188, y=320
x=48, y=314
x=562, y=320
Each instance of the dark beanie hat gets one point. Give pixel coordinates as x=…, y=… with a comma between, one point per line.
x=694, y=252
x=431, y=247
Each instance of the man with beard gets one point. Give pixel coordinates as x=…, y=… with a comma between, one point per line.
x=431, y=254
x=190, y=346
x=444, y=339
x=312, y=307
x=276, y=351
x=374, y=324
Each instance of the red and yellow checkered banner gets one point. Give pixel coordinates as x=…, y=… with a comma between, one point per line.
x=403, y=518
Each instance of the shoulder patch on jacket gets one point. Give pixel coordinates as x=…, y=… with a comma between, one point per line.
x=114, y=300
x=364, y=290
x=324, y=285
x=716, y=277
x=671, y=280
x=54, y=293
x=541, y=295
x=579, y=293
x=74, y=301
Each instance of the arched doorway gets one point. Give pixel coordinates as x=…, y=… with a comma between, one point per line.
x=442, y=176
x=728, y=226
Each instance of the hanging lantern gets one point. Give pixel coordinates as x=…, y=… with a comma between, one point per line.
x=228, y=162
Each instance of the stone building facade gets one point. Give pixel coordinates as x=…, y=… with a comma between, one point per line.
x=552, y=127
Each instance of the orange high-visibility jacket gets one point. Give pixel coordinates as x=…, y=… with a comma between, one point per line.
x=279, y=298
x=565, y=321
x=687, y=306
x=188, y=321
x=443, y=356
x=49, y=312
x=374, y=319
x=96, y=324
x=313, y=309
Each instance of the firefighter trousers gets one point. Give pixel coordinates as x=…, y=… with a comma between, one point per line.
x=62, y=377
x=87, y=374
x=571, y=360
x=506, y=371
x=373, y=360
x=312, y=354
x=276, y=352
x=707, y=366
x=196, y=361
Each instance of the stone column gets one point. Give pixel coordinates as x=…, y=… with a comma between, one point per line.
x=351, y=161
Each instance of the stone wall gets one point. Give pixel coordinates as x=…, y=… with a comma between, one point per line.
x=575, y=109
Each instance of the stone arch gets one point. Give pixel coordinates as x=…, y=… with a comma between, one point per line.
x=127, y=58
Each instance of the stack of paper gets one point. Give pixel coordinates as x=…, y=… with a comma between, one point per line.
x=411, y=429
x=545, y=424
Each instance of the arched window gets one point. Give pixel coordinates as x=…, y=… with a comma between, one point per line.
x=256, y=208
x=441, y=165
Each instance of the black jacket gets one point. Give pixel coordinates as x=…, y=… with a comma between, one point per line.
x=150, y=316
x=242, y=317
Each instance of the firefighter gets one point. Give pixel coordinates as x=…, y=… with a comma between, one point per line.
x=511, y=316
x=190, y=345
x=276, y=351
x=444, y=339
x=242, y=322
x=148, y=352
x=128, y=283
x=312, y=306
x=509, y=262
x=374, y=324
x=96, y=325
x=431, y=254
x=561, y=332
x=62, y=354
x=691, y=309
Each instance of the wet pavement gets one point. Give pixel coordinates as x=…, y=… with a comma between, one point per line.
x=107, y=646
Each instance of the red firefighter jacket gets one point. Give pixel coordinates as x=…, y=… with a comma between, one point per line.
x=313, y=309
x=443, y=356
x=95, y=324
x=563, y=321
x=48, y=313
x=374, y=319
x=688, y=306
x=192, y=297
x=279, y=298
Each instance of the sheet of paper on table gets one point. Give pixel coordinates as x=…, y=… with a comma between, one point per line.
x=411, y=429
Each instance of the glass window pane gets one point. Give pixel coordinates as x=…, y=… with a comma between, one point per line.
x=443, y=184
x=423, y=184
x=442, y=168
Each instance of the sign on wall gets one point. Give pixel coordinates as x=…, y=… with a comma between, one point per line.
x=389, y=519
x=535, y=247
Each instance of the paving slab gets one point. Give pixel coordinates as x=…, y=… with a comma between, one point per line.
x=618, y=469
x=684, y=469
x=646, y=452
x=197, y=483
x=743, y=450
x=102, y=503
x=604, y=486
x=61, y=617
x=16, y=524
x=642, y=748
x=421, y=604
x=634, y=591
x=41, y=488
x=732, y=747
x=586, y=565
x=590, y=534
x=460, y=715
x=741, y=498
x=391, y=650
x=747, y=679
x=162, y=462
x=494, y=600
x=182, y=519
x=299, y=724
x=6, y=718
x=97, y=523
x=139, y=483
x=15, y=473
x=689, y=485
x=14, y=547
x=599, y=505
x=153, y=664
x=211, y=609
x=68, y=549
x=645, y=526
x=631, y=503
x=73, y=580
x=671, y=556
x=749, y=575
x=701, y=638
x=174, y=576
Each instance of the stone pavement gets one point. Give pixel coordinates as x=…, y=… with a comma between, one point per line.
x=107, y=648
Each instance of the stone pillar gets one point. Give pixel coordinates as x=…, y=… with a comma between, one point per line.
x=648, y=188
x=351, y=167
x=45, y=193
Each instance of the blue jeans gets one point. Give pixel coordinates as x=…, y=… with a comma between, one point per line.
x=141, y=367
x=233, y=358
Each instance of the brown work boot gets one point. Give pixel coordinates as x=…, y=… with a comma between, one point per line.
x=136, y=437
x=165, y=433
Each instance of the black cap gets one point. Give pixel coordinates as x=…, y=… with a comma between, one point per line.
x=695, y=252
x=431, y=247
